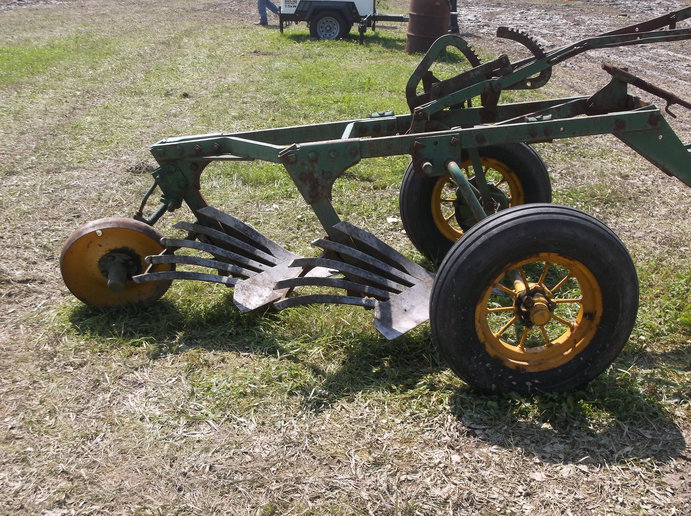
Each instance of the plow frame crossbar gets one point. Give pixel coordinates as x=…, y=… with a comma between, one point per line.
x=314, y=164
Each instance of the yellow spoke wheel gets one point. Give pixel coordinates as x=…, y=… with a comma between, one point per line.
x=539, y=313
x=501, y=179
x=111, y=249
x=435, y=218
x=534, y=298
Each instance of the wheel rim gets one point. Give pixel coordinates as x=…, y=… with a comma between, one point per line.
x=501, y=179
x=546, y=324
x=328, y=28
x=94, y=247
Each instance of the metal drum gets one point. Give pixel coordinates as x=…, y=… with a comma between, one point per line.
x=427, y=20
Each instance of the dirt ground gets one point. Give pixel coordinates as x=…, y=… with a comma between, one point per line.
x=29, y=277
x=551, y=26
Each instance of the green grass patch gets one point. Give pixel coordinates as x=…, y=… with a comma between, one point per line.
x=22, y=61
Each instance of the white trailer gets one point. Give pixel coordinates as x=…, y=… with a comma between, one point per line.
x=333, y=19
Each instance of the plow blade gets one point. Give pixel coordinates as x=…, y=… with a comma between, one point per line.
x=240, y=257
x=372, y=274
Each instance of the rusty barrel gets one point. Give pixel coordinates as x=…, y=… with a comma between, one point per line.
x=427, y=20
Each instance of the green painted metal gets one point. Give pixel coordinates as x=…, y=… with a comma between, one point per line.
x=446, y=124
x=466, y=189
x=662, y=148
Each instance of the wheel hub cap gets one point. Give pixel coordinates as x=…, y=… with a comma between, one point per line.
x=535, y=306
x=540, y=313
x=118, y=266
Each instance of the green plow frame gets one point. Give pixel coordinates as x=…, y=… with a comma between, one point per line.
x=316, y=155
x=531, y=297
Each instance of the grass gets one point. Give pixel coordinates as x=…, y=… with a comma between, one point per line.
x=189, y=407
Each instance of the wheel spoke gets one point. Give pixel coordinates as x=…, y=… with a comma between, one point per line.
x=541, y=281
x=563, y=321
x=500, y=309
x=518, y=276
x=524, y=336
x=524, y=278
x=506, y=326
x=548, y=342
x=561, y=282
x=510, y=292
x=574, y=300
x=446, y=219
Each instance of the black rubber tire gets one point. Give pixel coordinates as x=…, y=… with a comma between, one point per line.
x=329, y=25
x=417, y=192
x=495, y=245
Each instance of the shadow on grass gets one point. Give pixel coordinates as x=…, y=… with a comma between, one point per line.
x=361, y=361
x=610, y=422
x=678, y=358
x=166, y=328
x=379, y=38
x=374, y=364
x=371, y=39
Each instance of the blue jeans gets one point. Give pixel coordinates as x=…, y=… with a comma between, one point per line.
x=262, y=5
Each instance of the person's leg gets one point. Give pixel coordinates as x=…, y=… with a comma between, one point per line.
x=272, y=7
x=261, y=8
x=453, y=26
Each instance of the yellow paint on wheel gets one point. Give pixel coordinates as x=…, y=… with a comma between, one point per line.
x=498, y=175
x=545, y=325
x=81, y=261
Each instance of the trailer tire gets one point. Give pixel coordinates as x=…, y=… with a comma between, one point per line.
x=329, y=25
x=560, y=332
x=514, y=169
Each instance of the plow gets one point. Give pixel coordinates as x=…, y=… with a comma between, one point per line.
x=525, y=296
